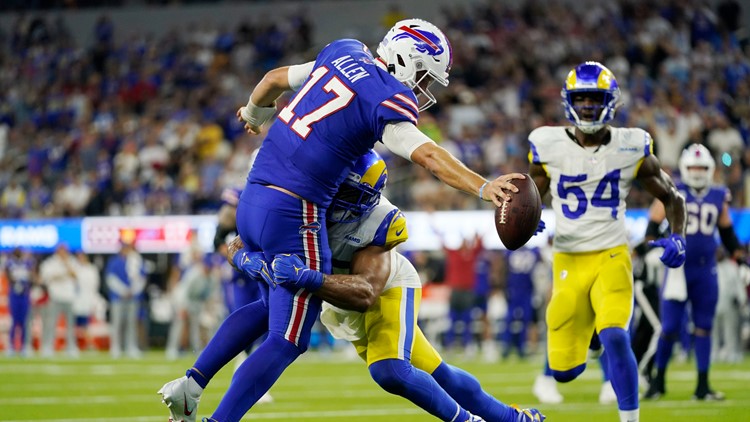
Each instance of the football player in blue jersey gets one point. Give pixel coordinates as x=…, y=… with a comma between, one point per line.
x=707, y=213
x=346, y=101
x=589, y=168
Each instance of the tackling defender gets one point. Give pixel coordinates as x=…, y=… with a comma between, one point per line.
x=707, y=211
x=589, y=169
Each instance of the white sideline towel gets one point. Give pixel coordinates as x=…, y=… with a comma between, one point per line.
x=675, y=285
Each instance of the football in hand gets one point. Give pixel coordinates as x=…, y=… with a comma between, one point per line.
x=517, y=220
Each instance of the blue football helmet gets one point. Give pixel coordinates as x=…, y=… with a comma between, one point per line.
x=360, y=192
x=592, y=80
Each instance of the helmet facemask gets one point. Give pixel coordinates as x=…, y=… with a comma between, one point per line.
x=360, y=192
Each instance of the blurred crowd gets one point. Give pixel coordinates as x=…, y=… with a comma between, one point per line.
x=146, y=126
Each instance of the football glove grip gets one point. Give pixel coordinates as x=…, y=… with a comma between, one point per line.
x=257, y=116
x=254, y=265
x=540, y=228
x=289, y=268
x=674, y=250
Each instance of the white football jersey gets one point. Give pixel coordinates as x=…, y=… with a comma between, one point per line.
x=589, y=185
x=385, y=226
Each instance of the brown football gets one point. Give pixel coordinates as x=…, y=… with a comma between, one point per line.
x=517, y=220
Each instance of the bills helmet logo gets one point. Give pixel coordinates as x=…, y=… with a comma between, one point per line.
x=313, y=227
x=426, y=42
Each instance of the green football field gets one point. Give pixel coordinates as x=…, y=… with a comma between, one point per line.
x=326, y=387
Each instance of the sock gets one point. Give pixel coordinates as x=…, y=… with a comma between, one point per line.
x=547, y=370
x=238, y=331
x=399, y=377
x=623, y=369
x=702, y=383
x=702, y=352
x=467, y=391
x=604, y=363
x=255, y=377
x=664, y=351
x=629, y=415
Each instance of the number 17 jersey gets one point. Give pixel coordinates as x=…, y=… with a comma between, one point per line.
x=589, y=185
x=337, y=116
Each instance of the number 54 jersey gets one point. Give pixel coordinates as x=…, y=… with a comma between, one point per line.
x=337, y=116
x=589, y=185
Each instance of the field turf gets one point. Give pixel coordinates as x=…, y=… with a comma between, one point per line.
x=327, y=388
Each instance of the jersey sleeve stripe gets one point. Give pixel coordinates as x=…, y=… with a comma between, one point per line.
x=648, y=147
x=533, y=155
x=393, y=106
x=408, y=102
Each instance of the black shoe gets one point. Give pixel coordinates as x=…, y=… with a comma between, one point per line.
x=709, y=395
x=653, y=392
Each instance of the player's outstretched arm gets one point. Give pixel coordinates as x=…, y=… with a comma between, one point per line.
x=405, y=140
x=357, y=291
x=454, y=173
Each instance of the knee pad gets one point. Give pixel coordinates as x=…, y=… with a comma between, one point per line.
x=570, y=374
x=390, y=374
x=561, y=309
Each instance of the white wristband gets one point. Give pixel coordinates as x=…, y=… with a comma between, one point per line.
x=481, y=190
x=257, y=116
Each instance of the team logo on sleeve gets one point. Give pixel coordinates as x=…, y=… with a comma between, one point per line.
x=313, y=227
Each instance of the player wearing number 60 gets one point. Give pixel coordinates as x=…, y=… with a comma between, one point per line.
x=346, y=101
x=589, y=169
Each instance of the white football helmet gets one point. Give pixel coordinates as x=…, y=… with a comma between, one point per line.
x=414, y=50
x=697, y=166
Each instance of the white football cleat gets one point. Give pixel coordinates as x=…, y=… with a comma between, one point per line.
x=607, y=394
x=545, y=390
x=181, y=397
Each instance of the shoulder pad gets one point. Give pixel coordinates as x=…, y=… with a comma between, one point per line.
x=392, y=230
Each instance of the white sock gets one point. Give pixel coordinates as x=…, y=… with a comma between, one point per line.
x=629, y=415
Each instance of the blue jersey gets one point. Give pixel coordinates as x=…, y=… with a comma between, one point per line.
x=337, y=116
x=19, y=272
x=702, y=218
x=521, y=264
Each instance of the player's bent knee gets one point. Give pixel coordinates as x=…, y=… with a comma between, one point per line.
x=391, y=374
x=570, y=374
